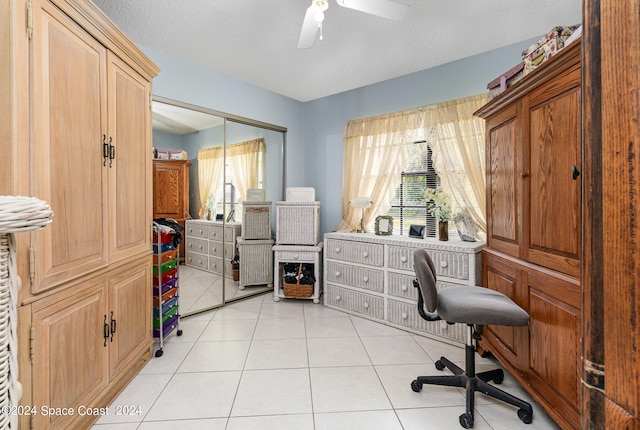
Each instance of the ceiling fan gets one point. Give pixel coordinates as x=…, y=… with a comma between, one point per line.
x=315, y=15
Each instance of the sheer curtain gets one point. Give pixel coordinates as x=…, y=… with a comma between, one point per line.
x=246, y=168
x=459, y=153
x=246, y=160
x=210, y=163
x=375, y=155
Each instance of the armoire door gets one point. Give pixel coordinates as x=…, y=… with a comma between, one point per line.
x=504, y=181
x=67, y=163
x=129, y=163
x=129, y=320
x=69, y=359
x=554, y=160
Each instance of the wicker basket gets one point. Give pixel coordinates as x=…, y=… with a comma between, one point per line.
x=297, y=289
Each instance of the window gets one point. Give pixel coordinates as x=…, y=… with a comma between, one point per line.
x=408, y=205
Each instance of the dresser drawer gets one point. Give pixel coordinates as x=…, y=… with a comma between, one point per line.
x=295, y=256
x=215, y=264
x=216, y=248
x=216, y=233
x=450, y=264
x=371, y=254
x=364, y=304
x=194, y=259
x=196, y=245
x=401, y=285
x=196, y=230
x=406, y=314
x=355, y=276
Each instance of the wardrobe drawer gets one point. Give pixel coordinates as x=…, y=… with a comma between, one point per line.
x=371, y=254
x=196, y=230
x=355, y=276
x=450, y=264
x=194, y=259
x=361, y=303
x=401, y=285
x=296, y=256
x=196, y=245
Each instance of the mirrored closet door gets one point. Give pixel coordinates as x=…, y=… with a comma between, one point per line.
x=227, y=158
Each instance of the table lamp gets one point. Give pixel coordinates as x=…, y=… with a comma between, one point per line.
x=361, y=203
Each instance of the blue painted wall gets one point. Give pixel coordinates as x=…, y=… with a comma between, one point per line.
x=315, y=128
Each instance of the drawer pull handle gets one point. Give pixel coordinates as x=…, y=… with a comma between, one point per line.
x=365, y=279
x=366, y=305
x=403, y=287
x=201, y=232
x=295, y=256
x=444, y=264
x=337, y=250
x=403, y=259
x=365, y=254
x=338, y=274
x=338, y=298
x=200, y=247
x=404, y=315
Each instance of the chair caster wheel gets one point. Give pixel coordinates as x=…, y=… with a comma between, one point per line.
x=439, y=365
x=466, y=420
x=179, y=333
x=416, y=386
x=525, y=416
x=159, y=353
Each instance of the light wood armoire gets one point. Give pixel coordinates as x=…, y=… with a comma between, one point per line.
x=533, y=151
x=75, y=116
x=171, y=192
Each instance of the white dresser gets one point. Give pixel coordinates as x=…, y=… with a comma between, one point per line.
x=372, y=276
x=209, y=245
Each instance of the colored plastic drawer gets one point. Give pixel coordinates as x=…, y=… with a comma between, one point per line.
x=165, y=277
x=163, y=247
x=164, y=237
x=165, y=306
x=166, y=256
x=166, y=296
x=167, y=327
x=165, y=267
x=165, y=317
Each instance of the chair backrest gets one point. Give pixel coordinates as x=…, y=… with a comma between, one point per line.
x=426, y=274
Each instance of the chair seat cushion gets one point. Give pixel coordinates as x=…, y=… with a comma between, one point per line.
x=479, y=305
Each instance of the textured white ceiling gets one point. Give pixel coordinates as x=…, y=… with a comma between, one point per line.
x=255, y=40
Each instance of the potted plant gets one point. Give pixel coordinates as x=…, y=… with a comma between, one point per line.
x=439, y=207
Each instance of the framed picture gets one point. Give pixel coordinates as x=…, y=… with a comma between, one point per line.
x=417, y=231
x=384, y=225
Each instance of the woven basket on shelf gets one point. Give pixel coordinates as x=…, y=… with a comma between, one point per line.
x=297, y=289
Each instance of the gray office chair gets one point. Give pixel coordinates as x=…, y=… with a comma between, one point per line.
x=471, y=306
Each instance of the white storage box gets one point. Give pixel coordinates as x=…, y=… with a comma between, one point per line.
x=301, y=194
x=255, y=195
x=298, y=223
x=256, y=262
x=256, y=220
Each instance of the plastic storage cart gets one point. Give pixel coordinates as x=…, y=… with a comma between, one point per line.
x=166, y=299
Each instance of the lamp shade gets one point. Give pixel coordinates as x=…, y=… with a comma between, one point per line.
x=361, y=202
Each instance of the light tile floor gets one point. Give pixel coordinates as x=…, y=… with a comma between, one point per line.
x=295, y=365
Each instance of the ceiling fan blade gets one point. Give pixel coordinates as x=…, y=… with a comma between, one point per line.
x=309, y=29
x=382, y=8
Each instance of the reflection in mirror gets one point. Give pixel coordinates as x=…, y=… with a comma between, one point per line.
x=220, y=176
